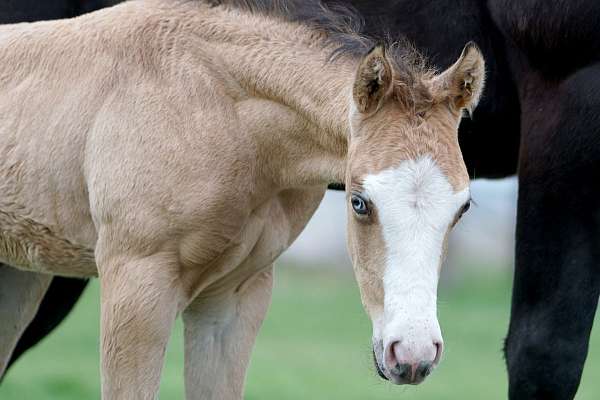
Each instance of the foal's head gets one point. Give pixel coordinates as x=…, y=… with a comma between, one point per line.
x=407, y=186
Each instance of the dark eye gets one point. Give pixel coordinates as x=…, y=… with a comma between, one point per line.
x=359, y=205
x=464, y=208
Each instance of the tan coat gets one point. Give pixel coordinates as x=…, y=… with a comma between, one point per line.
x=175, y=150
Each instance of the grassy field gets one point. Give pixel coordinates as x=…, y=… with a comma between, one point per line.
x=314, y=345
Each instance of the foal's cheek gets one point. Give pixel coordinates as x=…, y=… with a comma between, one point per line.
x=367, y=250
x=444, y=249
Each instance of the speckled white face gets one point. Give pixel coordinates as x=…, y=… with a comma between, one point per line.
x=416, y=206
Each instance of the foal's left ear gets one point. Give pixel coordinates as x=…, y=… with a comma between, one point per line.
x=373, y=80
x=463, y=82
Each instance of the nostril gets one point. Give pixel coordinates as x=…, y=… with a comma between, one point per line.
x=391, y=356
x=404, y=371
x=439, y=346
x=423, y=370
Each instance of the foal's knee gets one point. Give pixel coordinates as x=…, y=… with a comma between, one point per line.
x=140, y=301
x=138, y=305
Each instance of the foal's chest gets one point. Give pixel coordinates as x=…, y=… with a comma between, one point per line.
x=269, y=231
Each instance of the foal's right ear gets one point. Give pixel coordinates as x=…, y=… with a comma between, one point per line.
x=373, y=80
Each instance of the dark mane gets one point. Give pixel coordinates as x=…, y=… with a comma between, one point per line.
x=342, y=23
x=344, y=30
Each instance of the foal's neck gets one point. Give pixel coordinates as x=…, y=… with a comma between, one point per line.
x=288, y=64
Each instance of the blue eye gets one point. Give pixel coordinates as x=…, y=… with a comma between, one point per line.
x=359, y=205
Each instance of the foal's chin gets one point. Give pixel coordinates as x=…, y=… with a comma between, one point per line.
x=402, y=377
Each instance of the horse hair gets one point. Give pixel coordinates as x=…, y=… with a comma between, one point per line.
x=343, y=26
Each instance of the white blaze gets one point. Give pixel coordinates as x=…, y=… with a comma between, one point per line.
x=416, y=204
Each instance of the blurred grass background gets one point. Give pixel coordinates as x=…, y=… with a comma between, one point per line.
x=315, y=344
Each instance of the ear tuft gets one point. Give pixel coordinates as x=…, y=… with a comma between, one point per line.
x=373, y=80
x=464, y=81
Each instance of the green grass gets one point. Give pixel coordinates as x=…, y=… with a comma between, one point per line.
x=315, y=344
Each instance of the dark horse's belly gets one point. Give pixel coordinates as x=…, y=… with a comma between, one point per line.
x=12, y=12
x=557, y=37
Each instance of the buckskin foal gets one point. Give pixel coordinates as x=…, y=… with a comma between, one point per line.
x=175, y=150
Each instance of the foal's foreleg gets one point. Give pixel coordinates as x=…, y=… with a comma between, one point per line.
x=219, y=336
x=20, y=295
x=139, y=303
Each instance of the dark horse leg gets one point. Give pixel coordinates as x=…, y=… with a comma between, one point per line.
x=59, y=300
x=557, y=276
